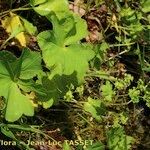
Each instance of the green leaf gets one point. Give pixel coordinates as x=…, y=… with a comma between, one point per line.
x=12, y=73
x=95, y=107
x=17, y=104
x=117, y=140
x=37, y=2
x=134, y=94
x=72, y=29
x=80, y=30
x=147, y=69
x=29, y=28
x=7, y=56
x=57, y=53
x=29, y=85
x=107, y=91
x=128, y=15
x=45, y=7
x=145, y=6
x=56, y=87
x=30, y=64
x=53, y=93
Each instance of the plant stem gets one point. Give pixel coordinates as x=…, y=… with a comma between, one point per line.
x=85, y=119
x=126, y=44
x=29, y=129
x=14, y=10
x=123, y=104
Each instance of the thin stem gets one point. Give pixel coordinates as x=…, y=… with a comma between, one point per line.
x=126, y=44
x=5, y=42
x=30, y=129
x=14, y=10
x=123, y=104
x=85, y=119
x=121, y=53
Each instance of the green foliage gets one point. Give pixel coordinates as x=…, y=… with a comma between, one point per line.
x=119, y=119
x=131, y=18
x=121, y=84
x=66, y=62
x=16, y=75
x=107, y=91
x=134, y=95
x=95, y=107
x=69, y=59
x=100, y=54
x=117, y=140
x=80, y=90
x=46, y=7
x=145, y=6
x=140, y=92
x=28, y=27
x=69, y=96
x=60, y=44
x=146, y=97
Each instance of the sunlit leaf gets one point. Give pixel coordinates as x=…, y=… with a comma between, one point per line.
x=146, y=6
x=107, y=91
x=60, y=48
x=45, y=7
x=95, y=107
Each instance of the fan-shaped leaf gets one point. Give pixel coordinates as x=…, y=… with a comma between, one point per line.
x=13, y=71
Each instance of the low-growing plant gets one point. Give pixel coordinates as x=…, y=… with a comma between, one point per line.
x=64, y=67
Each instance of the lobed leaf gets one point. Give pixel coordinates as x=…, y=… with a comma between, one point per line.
x=30, y=64
x=13, y=73
x=17, y=104
x=60, y=48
